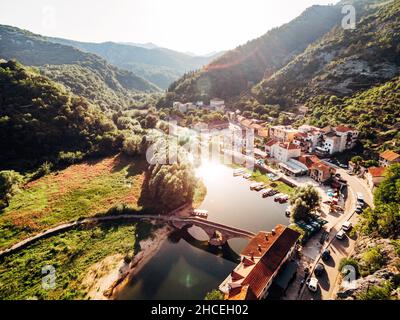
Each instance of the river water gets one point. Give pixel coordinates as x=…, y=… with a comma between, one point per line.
x=185, y=267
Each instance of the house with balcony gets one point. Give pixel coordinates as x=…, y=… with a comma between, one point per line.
x=261, y=261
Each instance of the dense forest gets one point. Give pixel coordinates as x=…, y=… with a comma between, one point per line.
x=40, y=121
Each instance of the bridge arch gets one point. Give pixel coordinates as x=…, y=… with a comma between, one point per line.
x=218, y=233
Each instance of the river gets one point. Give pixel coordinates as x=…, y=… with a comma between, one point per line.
x=184, y=267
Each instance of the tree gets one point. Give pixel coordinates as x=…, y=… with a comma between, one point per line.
x=171, y=185
x=131, y=145
x=9, y=185
x=214, y=295
x=304, y=201
x=384, y=219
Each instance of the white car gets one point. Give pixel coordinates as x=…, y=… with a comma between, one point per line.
x=340, y=235
x=312, y=284
x=347, y=226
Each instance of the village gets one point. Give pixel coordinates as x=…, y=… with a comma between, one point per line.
x=276, y=261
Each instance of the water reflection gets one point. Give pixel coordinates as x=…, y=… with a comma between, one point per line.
x=185, y=266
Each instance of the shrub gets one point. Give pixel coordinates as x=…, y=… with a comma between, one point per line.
x=214, y=295
x=349, y=262
x=382, y=292
x=372, y=260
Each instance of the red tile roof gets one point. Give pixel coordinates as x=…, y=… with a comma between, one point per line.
x=390, y=155
x=289, y=146
x=343, y=128
x=271, y=142
x=309, y=161
x=273, y=254
x=377, y=172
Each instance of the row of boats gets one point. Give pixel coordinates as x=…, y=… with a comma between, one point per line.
x=260, y=187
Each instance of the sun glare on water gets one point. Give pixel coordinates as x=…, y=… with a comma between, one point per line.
x=208, y=171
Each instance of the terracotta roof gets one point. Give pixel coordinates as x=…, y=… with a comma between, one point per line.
x=274, y=254
x=321, y=167
x=240, y=294
x=289, y=146
x=309, y=161
x=390, y=155
x=300, y=135
x=376, y=172
x=343, y=128
x=271, y=142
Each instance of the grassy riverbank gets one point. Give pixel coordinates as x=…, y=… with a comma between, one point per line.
x=71, y=254
x=81, y=190
x=258, y=176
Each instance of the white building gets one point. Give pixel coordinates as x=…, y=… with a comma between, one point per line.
x=283, y=152
x=338, y=139
x=217, y=104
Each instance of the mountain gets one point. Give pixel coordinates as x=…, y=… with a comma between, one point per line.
x=237, y=70
x=83, y=73
x=342, y=62
x=40, y=121
x=158, y=65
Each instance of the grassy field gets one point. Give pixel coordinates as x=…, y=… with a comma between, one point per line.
x=280, y=186
x=85, y=189
x=258, y=176
x=71, y=254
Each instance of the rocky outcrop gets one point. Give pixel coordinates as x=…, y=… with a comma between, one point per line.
x=390, y=271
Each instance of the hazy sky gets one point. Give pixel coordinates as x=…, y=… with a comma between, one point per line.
x=199, y=26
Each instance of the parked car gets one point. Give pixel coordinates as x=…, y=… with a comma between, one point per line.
x=347, y=226
x=312, y=284
x=319, y=269
x=326, y=255
x=340, y=235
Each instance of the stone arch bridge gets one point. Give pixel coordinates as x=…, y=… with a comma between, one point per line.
x=218, y=233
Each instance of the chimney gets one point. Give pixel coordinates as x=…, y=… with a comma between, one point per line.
x=259, y=248
x=273, y=232
x=252, y=256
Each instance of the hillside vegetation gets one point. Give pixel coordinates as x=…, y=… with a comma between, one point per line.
x=40, y=121
x=239, y=69
x=157, y=65
x=342, y=62
x=78, y=71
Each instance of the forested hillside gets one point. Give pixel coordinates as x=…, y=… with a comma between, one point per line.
x=158, y=65
x=79, y=71
x=239, y=69
x=342, y=63
x=40, y=121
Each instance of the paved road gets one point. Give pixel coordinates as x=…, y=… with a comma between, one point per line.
x=329, y=281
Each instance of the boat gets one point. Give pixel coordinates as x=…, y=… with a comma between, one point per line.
x=200, y=214
x=282, y=198
x=257, y=186
x=247, y=176
x=238, y=172
x=270, y=193
x=266, y=192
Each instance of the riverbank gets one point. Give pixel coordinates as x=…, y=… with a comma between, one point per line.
x=124, y=273
x=74, y=255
